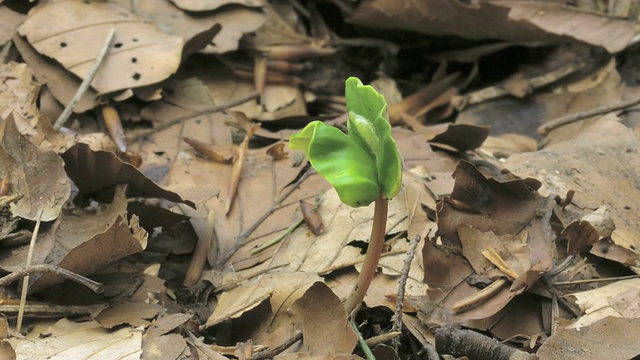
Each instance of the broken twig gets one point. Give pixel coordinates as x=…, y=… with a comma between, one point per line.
x=568, y=119
x=96, y=287
x=85, y=83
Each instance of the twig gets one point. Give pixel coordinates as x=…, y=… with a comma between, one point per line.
x=568, y=119
x=494, y=92
x=588, y=281
x=236, y=171
x=96, y=287
x=86, y=82
x=402, y=283
x=270, y=353
x=180, y=119
x=243, y=237
x=25, y=282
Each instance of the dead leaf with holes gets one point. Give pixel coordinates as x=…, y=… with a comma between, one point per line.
x=72, y=41
x=83, y=242
x=197, y=17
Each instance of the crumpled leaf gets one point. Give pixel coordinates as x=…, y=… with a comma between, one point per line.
x=77, y=35
x=38, y=175
x=596, y=165
x=482, y=205
x=96, y=171
x=82, y=243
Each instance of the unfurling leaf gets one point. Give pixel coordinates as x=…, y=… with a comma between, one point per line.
x=362, y=164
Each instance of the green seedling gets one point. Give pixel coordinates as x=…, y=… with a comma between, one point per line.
x=363, y=166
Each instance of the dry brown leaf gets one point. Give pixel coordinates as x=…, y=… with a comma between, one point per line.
x=596, y=165
x=71, y=40
x=324, y=322
x=618, y=299
x=70, y=340
x=485, y=205
x=550, y=22
x=96, y=171
x=132, y=313
x=9, y=21
x=83, y=243
x=38, y=175
x=235, y=21
x=600, y=340
x=55, y=77
x=166, y=347
x=164, y=325
x=18, y=95
x=206, y=5
x=280, y=289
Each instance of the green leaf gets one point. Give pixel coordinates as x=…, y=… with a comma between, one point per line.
x=363, y=164
x=342, y=162
x=369, y=127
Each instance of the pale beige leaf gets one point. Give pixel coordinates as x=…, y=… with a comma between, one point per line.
x=73, y=32
x=80, y=341
x=207, y=5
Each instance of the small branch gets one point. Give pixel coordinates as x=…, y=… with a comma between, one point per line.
x=243, y=237
x=554, y=124
x=86, y=82
x=211, y=110
x=494, y=92
x=460, y=343
x=270, y=353
x=404, y=275
x=96, y=287
x=376, y=242
x=25, y=281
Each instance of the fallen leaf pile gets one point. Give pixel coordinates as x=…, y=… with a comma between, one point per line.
x=148, y=192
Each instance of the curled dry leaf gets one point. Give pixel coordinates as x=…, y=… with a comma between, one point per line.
x=224, y=154
x=71, y=40
x=99, y=171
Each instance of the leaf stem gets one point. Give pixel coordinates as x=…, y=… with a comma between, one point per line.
x=376, y=241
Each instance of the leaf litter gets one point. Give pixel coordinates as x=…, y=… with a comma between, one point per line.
x=526, y=217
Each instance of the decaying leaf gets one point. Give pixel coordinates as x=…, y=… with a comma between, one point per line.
x=38, y=175
x=83, y=243
x=596, y=165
